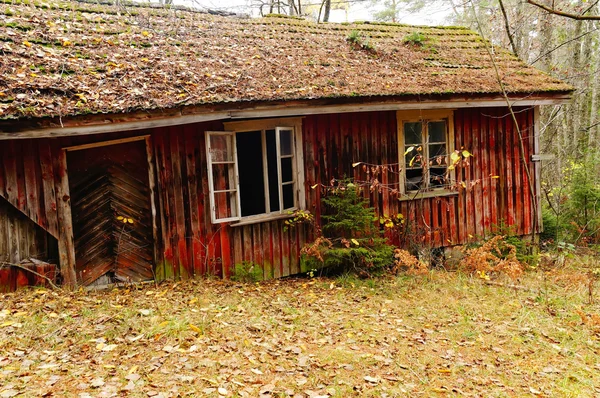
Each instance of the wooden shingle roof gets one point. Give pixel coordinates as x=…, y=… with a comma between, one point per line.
x=71, y=58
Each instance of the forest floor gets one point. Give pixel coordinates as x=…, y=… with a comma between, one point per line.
x=442, y=334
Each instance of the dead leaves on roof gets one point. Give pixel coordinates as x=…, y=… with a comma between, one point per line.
x=133, y=58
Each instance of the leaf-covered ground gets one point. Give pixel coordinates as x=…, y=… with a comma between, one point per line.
x=445, y=334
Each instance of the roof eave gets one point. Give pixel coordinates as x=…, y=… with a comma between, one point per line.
x=145, y=119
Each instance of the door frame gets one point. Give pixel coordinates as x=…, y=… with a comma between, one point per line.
x=151, y=183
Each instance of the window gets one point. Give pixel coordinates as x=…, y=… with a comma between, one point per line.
x=425, y=139
x=254, y=171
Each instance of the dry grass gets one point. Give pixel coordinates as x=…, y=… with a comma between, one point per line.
x=443, y=334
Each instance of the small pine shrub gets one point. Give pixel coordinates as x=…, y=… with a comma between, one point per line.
x=350, y=240
x=415, y=39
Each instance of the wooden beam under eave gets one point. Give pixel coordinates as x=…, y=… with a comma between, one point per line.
x=229, y=112
x=66, y=242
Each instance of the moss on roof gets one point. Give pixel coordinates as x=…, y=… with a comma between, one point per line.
x=67, y=58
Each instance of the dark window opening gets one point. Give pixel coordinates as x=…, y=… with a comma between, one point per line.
x=251, y=175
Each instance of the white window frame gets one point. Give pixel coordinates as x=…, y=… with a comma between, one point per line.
x=286, y=124
x=235, y=178
x=425, y=116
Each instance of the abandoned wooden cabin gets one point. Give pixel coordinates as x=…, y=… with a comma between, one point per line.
x=140, y=142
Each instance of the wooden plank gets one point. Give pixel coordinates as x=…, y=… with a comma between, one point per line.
x=461, y=235
x=537, y=173
x=384, y=129
x=66, y=244
x=105, y=143
x=238, y=252
x=517, y=177
x=434, y=210
x=258, y=249
x=267, y=240
x=285, y=249
x=477, y=176
x=10, y=170
x=49, y=194
x=164, y=270
x=248, y=246
x=182, y=270
x=493, y=170
x=295, y=249
x=528, y=131
x=157, y=253
x=452, y=235
x=469, y=177
x=485, y=174
x=195, y=236
x=276, y=236
x=30, y=158
x=225, y=246
x=509, y=163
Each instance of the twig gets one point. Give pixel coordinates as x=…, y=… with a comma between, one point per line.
x=6, y=264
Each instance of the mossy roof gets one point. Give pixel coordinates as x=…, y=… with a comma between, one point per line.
x=73, y=58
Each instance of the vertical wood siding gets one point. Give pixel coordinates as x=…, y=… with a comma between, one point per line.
x=334, y=142
x=188, y=244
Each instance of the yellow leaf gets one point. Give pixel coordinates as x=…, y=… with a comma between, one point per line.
x=455, y=157
x=5, y=324
x=145, y=33
x=33, y=75
x=314, y=186
x=462, y=183
x=355, y=242
x=163, y=324
x=466, y=153
x=410, y=149
x=495, y=176
x=412, y=161
x=356, y=164
x=130, y=220
x=26, y=43
x=133, y=369
x=125, y=221
x=120, y=218
x=451, y=167
x=195, y=329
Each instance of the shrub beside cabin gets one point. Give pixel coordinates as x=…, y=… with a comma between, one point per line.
x=140, y=143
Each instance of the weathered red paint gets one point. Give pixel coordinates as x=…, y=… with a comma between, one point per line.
x=189, y=244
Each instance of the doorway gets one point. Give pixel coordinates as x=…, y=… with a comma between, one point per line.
x=111, y=212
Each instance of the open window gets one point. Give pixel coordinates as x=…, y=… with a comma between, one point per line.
x=426, y=140
x=254, y=170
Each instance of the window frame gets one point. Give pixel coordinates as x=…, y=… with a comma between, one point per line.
x=424, y=117
x=281, y=124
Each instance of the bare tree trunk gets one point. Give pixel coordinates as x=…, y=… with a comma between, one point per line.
x=327, y=10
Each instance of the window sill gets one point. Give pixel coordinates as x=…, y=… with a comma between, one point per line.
x=428, y=194
x=262, y=218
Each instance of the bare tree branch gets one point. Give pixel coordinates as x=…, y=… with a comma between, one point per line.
x=578, y=17
x=507, y=27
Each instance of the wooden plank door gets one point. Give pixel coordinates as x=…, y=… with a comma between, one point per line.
x=111, y=210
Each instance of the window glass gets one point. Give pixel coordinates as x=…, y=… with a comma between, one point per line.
x=412, y=133
x=223, y=176
x=414, y=179
x=285, y=142
x=221, y=148
x=437, y=176
x=288, y=196
x=225, y=204
x=287, y=170
x=273, y=179
x=437, y=131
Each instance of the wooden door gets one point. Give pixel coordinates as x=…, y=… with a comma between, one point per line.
x=112, y=218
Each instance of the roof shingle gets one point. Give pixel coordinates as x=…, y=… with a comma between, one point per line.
x=70, y=58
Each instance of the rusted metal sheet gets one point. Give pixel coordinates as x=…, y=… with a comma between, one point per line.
x=109, y=185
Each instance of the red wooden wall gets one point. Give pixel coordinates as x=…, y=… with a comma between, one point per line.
x=334, y=142
x=188, y=244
